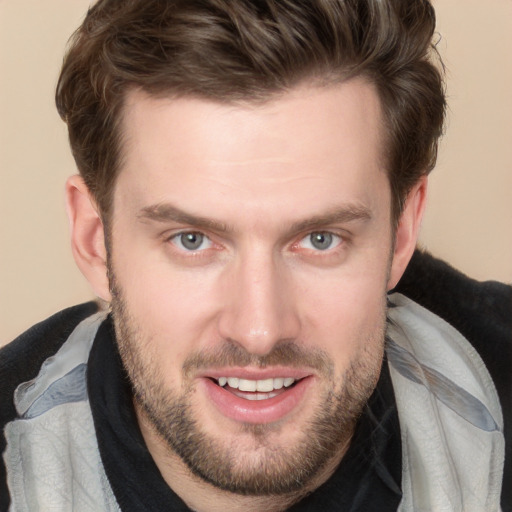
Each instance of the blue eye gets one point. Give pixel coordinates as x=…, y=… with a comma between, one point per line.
x=320, y=241
x=191, y=241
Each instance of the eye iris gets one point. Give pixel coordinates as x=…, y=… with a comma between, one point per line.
x=191, y=241
x=321, y=241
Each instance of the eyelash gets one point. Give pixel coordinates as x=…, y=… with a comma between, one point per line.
x=176, y=236
x=332, y=237
x=174, y=239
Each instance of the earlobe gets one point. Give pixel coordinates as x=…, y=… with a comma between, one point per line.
x=407, y=231
x=87, y=236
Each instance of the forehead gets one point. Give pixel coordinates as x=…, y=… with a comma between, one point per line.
x=324, y=141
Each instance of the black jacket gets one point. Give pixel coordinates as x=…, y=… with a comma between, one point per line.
x=482, y=312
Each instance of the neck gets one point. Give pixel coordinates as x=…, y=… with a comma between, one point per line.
x=201, y=496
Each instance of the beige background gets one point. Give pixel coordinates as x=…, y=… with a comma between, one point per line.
x=469, y=219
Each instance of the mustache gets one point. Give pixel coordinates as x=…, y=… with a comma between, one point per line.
x=285, y=353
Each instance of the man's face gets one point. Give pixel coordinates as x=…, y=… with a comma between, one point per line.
x=250, y=255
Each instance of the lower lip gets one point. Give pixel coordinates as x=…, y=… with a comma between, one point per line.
x=256, y=411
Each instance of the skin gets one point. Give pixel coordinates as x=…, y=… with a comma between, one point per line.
x=256, y=181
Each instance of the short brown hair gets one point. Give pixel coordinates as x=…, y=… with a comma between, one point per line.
x=228, y=50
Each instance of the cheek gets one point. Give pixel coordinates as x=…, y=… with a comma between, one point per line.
x=346, y=313
x=169, y=308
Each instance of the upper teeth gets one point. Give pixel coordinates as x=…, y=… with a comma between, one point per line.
x=264, y=385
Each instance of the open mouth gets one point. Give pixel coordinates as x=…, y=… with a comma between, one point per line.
x=262, y=389
x=262, y=400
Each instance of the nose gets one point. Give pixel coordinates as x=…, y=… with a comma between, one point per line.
x=260, y=308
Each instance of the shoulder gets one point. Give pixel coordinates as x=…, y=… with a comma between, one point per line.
x=482, y=313
x=21, y=359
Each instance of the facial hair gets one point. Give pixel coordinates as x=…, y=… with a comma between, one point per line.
x=267, y=467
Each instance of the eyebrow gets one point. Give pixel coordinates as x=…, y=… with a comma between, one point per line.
x=165, y=212
x=338, y=215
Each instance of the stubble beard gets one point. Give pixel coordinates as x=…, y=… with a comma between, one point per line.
x=267, y=468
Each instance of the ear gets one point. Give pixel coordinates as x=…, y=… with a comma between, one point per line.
x=87, y=236
x=408, y=230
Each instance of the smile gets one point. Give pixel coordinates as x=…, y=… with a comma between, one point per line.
x=263, y=400
x=265, y=385
x=262, y=389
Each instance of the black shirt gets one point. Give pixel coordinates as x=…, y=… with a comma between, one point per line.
x=369, y=475
x=368, y=478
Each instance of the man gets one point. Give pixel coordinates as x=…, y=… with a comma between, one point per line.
x=252, y=181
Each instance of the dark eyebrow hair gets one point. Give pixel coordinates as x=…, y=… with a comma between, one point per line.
x=342, y=214
x=165, y=212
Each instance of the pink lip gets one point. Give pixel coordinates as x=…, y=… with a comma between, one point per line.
x=256, y=411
